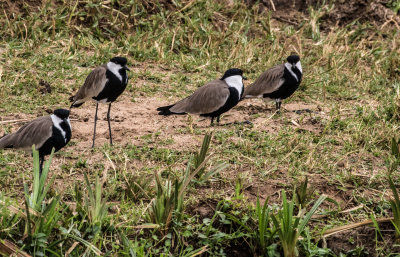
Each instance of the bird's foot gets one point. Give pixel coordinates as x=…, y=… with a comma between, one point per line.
x=246, y=122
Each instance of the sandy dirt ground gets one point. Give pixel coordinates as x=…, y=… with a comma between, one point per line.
x=134, y=119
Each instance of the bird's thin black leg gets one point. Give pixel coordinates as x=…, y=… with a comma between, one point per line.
x=108, y=119
x=95, y=121
x=212, y=121
x=41, y=160
x=218, y=119
x=278, y=106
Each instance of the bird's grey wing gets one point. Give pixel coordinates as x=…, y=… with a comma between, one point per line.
x=205, y=99
x=268, y=82
x=35, y=133
x=93, y=85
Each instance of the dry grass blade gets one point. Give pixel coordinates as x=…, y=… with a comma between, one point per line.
x=109, y=159
x=75, y=244
x=353, y=209
x=20, y=211
x=9, y=249
x=201, y=250
x=13, y=121
x=340, y=229
x=151, y=226
x=344, y=211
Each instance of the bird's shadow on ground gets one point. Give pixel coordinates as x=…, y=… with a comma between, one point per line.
x=254, y=109
x=221, y=124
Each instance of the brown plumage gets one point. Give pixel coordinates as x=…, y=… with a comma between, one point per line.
x=205, y=99
x=104, y=85
x=212, y=99
x=46, y=133
x=277, y=83
x=268, y=82
x=92, y=87
x=35, y=133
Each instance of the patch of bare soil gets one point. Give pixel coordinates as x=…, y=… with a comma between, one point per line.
x=301, y=116
x=20, y=6
x=343, y=197
x=273, y=187
x=205, y=208
x=239, y=250
x=131, y=120
x=364, y=238
x=15, y=119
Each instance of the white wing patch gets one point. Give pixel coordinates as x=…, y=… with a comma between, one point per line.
x=114, y=68
x=253, y=96
x=236, y=82
x=103, y=101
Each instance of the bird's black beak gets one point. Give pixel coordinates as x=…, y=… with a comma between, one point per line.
x=126, y=68
x=244, y=78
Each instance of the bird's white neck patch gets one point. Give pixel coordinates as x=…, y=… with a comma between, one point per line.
x=235, y=81
x=289, y=68
x=114, y=68
x=69, y=124
x=57, y=121
x=298, y=65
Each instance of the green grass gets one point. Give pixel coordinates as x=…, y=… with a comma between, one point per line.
x=351, y=75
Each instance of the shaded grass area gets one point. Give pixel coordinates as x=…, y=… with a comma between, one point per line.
x=351, y=75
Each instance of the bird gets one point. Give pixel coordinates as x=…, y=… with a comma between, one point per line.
x=277, y=83
x=212, y=99
x=46, y=133
x=104, y=84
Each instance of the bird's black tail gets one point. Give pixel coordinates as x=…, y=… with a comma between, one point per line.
x=5, y=142
x=164, y=110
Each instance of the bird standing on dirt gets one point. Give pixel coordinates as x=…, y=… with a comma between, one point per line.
x=277, y=83
x=104, y=84
x=212, y=99
x=46, y=133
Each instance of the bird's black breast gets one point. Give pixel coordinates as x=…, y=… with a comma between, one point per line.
x=56, y=140
x=231, y=102
x=113, y=88
x=288, y=87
